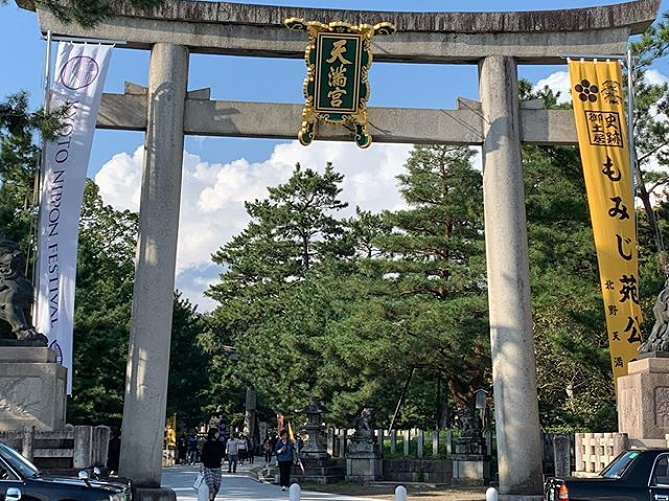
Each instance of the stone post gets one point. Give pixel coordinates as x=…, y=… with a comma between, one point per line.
x=250, y=412
x=149, y=349
x=620, y=443
x=393, y=441
x=449, y=442
x=380, y=437
x=330, y=446
x=420, y=441
x=27, y=444
x=83, y=447
x=342, y=443
x=562, y=455
x=101, y=436
x=578, y=452
x=511, y=341
x=406, y=440
x=435, y=443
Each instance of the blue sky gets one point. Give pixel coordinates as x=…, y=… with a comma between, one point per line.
x=221, y=173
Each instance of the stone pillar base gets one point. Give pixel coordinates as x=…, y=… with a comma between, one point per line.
x=320, y=471
x=153, y=494
x=32, y=389
x=363, y=468
x=470, y=469
x=643, y=399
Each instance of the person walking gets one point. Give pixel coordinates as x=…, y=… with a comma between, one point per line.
x=284, y=455
x=232, y=450
x=243, y=449
x=212, y=458
x=251, y=448
x=182, y=447
x=267, y=450
x=191, y=455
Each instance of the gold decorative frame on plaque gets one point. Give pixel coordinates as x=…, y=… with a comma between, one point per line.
x=338, y=57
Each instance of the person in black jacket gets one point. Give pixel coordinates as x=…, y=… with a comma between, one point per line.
x=212, y=458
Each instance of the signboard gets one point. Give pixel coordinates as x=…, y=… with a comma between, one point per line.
x=336, y=89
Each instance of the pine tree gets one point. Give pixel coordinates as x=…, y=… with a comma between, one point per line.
x=265, y=309
x=429, y=293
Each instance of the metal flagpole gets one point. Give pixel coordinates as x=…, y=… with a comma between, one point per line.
x=634, y=168
x=37, y=195
x=630, y=120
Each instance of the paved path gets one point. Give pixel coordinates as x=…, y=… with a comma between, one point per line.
x=239, y=486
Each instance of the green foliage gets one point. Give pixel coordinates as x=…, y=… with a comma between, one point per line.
x=103, y=304
x=289, y=233
x=651, y=132
x=19, y=165
x=188, y=365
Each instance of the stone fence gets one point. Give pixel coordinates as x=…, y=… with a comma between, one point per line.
x=593, y=451
x=580, y=454
x=79, y=448
x=409, y=443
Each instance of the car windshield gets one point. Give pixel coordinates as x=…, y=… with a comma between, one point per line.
x=619, y=465
x=18, y=462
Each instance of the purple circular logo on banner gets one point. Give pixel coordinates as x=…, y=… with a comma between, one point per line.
x=79, y=72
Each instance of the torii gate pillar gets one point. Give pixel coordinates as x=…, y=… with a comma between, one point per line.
x=511, y=341
x=149, y=351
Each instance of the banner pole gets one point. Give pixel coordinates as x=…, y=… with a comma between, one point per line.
x=37, y=193
x=630, y=122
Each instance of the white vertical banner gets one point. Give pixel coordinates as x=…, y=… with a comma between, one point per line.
x=78, y=80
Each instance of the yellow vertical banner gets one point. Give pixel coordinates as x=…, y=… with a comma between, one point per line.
x=172, y=431
x=597, y=96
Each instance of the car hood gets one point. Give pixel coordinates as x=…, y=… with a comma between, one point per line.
x=590, y=479
x=110, y=486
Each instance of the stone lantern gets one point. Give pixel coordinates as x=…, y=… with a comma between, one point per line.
x=313, y=448
x=317, y=465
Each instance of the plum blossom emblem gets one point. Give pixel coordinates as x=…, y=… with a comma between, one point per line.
x=586, y=91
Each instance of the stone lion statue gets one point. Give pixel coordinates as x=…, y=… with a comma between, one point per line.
x=16, y=293
x=659, y=336
x=363, y=422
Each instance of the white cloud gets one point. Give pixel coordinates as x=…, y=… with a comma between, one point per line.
x=119, y=180
x=654, y=77
x=557, y=82
x=213, y=195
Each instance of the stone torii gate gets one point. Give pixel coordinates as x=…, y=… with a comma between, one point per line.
x=496, y=42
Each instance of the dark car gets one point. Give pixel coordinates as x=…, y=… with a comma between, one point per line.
x=20, y=480
x=637, y=475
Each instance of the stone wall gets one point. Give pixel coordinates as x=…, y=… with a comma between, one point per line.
x=418, y=470
x=78, y=448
